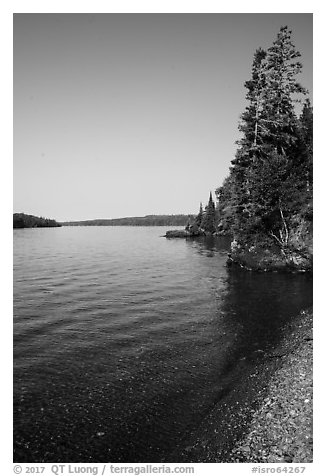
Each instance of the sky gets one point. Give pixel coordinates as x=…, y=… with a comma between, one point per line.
x=133, y=114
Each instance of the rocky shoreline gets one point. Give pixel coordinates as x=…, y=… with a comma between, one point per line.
x=267, y=417
x=281, y=428
x=294, y=259
x=272, y=258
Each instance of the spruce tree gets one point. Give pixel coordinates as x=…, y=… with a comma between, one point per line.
x=266, y=183
x=305, y=154
x=225, y=208
x=199, y=217
x=251, y=144
x=282, y=91
x=208, y=222
x=252, y=120
x=276, y=181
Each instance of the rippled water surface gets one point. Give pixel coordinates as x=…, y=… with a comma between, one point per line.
x=123, y=339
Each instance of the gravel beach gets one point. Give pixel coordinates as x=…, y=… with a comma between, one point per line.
x=281, y=428
x=267, y=416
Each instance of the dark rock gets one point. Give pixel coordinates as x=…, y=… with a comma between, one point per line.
x=288, y=458
x=177, y=234
x=191, y=232
x=308, y=337
x=264, y=258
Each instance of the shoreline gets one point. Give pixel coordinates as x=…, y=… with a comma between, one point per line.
x=267, y=416
x=281, y=429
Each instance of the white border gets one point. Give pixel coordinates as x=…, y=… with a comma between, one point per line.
x=158, y=6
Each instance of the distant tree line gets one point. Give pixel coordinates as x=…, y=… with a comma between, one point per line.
x=148, y=220
x=21, y=220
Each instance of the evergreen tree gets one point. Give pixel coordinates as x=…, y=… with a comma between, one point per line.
x=305, y=153
x=266, y=183
x=252, y=120
x=269, y=188
x=199, y=217
x=251, y=144
x=282, y=91
x=226, y=204
x=275, y=180
x=208, y=222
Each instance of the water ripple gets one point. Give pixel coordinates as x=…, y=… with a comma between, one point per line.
x=121, y=333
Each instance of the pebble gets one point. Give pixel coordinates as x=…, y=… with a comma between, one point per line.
x=287, y=437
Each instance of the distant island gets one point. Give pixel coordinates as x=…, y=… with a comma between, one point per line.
x=148, y=220
x=21, y=220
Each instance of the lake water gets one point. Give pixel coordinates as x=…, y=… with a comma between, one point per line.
x=123, y=339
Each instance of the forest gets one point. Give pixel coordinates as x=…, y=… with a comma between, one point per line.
x=21, y=220
x=266, y=201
